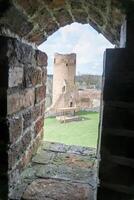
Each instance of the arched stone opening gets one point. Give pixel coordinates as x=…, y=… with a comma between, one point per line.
x=36, y=21
x=76, y=101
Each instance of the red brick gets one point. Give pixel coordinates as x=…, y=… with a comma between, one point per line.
x=15, y=128
x=18, y=101
x=31, y=151
x=39, y=125
x=44, y=75
x=26, y=140
x=40, y=93
x=41, y=58
x=14, y=155
x=42, y=108
x=17, y=151
x=32, y=76
x=36, y=112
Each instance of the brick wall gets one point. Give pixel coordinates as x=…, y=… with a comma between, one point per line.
x=22, y=98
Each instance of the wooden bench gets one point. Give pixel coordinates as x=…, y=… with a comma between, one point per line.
x=67, y=110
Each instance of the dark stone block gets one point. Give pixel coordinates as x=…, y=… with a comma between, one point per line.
x=121, y=118
x=15, y=128
x=27, y=119
x=18, y=149
x=116, y=174
x=36, y=112
x=39, y=125
x=32, y=76
x=40, y=93
x=3, y=102
x=20, y=100
x=63, y=16
x=123, y=146
x=107, y=194
x=41, y=58
x=117, y=60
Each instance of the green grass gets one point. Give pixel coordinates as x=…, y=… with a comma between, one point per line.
x=83, y=133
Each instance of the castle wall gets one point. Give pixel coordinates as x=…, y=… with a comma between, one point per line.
x=22, y=103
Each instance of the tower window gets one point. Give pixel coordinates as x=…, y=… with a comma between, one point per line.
x=63, y=89
x=71, y=104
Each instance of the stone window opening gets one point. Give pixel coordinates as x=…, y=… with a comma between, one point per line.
x=62, y=88
x=63, y=69
x=40, y=94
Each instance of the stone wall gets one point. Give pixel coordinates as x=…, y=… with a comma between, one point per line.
x=22, y=102
x=36, y=21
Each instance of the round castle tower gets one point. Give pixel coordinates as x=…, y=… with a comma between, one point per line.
x=63, y=75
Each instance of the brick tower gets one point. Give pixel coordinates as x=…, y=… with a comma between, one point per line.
x=64, y=79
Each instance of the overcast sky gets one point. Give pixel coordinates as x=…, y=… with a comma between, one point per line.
x=82, y=40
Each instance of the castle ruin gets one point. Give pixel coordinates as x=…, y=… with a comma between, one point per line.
x=65, y=92
x=64, y=89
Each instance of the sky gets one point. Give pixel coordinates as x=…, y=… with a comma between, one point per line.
x=81, y=39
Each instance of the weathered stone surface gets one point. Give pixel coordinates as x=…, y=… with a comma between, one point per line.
x=33, y=76
x=56, y=147
x=44, y=75
x=19, y=76
x=36, y=112
x=41, y=58
x=63, y=172
x=105, y=16
x=71, y=160
x=39, y=125
x=30, y=7
x=18, y=149
x=18, y=101
x=64, y=166
x=97, y=17
x=44, y=157
x=9, y=20
x=15, y=128
x=15, y=76
x=51, y=27
x=63, y=17
x=42, y=108
x=19, y=190
x=63, y=175
x=27, y=119
x=59, y=147
x=31, y=150
x=13, y=176
x=46, y=17
x=51, y=189
x=40, y=93
x=15, y=53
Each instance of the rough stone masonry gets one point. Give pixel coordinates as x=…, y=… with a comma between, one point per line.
x=22, y=100
x=36, y=20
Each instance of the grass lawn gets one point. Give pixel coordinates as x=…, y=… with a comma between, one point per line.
x=83, y=133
